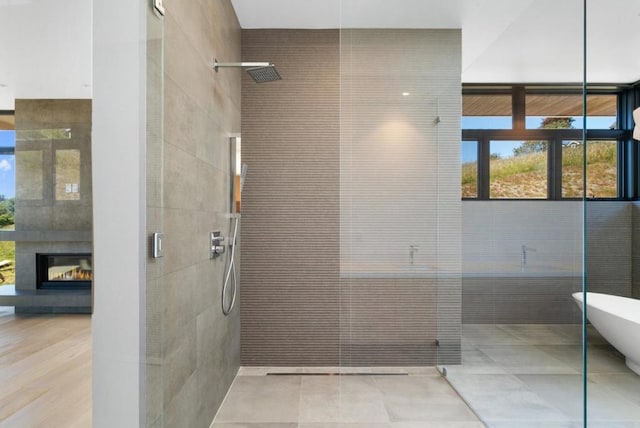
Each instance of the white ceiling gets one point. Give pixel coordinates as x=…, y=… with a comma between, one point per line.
x=502, y=40
x=46, y=45
x=45, y=50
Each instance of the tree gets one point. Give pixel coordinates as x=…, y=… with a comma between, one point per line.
x=9, y=204
x=557, y=123
x=7, y=211
x=528, y=147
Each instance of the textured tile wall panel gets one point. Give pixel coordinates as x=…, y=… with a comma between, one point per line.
x=290, y=205
x=608, y=249
x=494, y=232
x=520, y=300
x=343, y=177
x=388, y=322
x=635, y=250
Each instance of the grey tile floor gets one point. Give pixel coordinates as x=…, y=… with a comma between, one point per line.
x=366, y=400
x=512, y=376
x=531, y=376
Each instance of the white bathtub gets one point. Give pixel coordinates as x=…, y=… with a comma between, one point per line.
x=618, y=320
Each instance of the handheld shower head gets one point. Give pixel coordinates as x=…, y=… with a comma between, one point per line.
x=243, y=175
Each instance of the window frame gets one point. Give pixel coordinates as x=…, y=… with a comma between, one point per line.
x=627, y=152
x=7, y=150
x=8, y=235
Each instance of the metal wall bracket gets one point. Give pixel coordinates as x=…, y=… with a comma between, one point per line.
x=157, y=250
x=159, y=7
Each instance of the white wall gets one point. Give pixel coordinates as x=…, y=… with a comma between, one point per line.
x=45, y=50
x=119, y=121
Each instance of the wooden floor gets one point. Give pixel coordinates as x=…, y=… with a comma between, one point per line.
x=45, y=370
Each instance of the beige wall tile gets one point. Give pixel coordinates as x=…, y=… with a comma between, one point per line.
x=189, y=185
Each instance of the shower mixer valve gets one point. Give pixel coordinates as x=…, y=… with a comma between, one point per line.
x=216, y=248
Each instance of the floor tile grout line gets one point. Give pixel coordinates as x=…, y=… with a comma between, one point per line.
x=464, y=400
x=299, y=401
x=384, y=402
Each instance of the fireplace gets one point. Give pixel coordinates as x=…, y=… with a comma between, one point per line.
x=64, y=271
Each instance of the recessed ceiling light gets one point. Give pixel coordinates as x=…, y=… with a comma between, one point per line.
x=406, y=94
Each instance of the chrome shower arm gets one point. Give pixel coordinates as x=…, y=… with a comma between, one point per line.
x=217, y=64
x=259, y=71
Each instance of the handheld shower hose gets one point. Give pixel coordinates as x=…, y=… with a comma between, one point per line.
x=231, y=269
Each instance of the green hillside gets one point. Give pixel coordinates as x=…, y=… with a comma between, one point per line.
x=525, y=176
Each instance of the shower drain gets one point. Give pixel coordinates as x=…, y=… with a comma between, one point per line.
x=335, y=374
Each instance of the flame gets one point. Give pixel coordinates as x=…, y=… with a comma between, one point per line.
x=76, y=274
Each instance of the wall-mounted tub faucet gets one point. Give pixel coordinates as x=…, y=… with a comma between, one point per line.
x=523, y=254
x=413, y=249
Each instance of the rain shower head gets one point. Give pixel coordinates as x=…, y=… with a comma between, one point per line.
x=264, y=74
x=260, y=71
x=243, y=175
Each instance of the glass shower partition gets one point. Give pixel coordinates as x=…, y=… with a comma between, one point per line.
x=522, y=241
x=478, y=289
x=399, y=203
x=400, y=212
x=475, y=280
x=611, y=215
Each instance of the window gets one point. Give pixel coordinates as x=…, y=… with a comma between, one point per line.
x=540, y=154
x=7, y=173
x=518, y=169
x=469, y=159
x=602, y=169
x=7, y=195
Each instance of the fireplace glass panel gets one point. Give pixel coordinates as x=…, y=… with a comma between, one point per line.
x=56, y=270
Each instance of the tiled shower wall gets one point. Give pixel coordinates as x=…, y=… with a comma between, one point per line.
x=609, y=254
x=635, y=250
x=193, y=351
x=344, y=176
x=290, y=200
